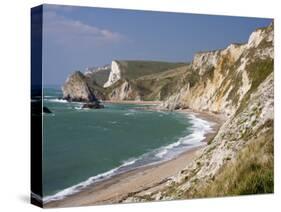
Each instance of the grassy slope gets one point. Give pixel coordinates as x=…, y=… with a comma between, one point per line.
x=133, y=69
x=101, y=76
x=96, y=88
x=161, y=85
x=250, y=173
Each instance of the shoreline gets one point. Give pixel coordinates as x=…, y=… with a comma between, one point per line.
x=120, y=186
x=133, y=102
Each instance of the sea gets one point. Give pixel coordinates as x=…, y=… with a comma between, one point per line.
x=84, y=146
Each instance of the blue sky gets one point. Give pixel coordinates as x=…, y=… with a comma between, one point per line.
x=75, y=38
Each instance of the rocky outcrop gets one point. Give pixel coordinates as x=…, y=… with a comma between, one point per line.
x=124, y=91
x=46, y=110
x=115, y=74
x=76, y=89
x=92, y=105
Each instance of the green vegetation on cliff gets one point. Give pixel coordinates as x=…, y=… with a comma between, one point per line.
x=100, y=77
x=258, y=71
x=132, y=69
x=148, y=80
x=250, y=173
x=159, y=86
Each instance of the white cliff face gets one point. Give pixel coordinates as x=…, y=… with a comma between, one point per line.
x=114, y=75
x=261, y=36
x=255, y=38
x=231, y=137
x=234, y=50
x=224, y=75
x=204, y=60
x=124, y=92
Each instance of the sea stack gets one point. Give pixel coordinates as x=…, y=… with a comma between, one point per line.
x=76, y=89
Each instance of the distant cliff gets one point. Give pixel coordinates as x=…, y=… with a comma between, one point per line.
x=133, y=80
x=216, y=81
x=114, y=76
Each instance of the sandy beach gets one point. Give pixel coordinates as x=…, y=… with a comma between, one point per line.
x=144, y=179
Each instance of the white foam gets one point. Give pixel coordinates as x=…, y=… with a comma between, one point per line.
x=57, y=100
x=199, y=128
x=162, y=153
x=131, y=112
x=128, y=114
x=48, y=114
x=78, y=187
x=129, y=162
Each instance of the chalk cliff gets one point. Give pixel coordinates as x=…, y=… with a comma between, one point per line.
x=114, y=76
x=224, y=77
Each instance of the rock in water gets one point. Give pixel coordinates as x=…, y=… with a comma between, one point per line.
x=76, y=89
x=92, y=105
x=46, y=110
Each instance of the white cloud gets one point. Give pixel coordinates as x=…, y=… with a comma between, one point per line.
x=66, y=31
x=56, y=7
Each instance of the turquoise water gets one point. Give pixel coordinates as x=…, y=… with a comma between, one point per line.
x=83, y=146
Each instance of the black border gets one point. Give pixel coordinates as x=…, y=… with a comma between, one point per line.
x=36, y=105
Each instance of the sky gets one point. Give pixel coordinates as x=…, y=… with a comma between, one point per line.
x=75, y=38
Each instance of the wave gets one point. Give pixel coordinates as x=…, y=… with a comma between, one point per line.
x=78, y=187
x=199, y=129
x=79, y=108
x=45, y=96
x=49, y=114
x=57, y=100
x=131, y=112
